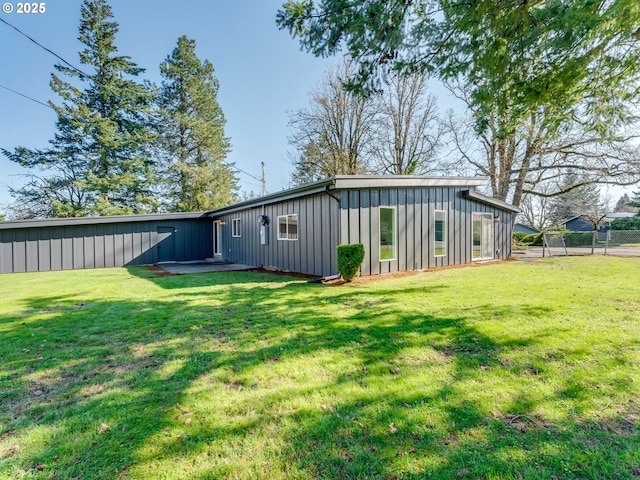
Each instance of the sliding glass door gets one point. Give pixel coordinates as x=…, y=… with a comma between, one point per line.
x=482, y=245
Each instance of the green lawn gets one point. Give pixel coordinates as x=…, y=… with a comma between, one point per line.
x=514, y=370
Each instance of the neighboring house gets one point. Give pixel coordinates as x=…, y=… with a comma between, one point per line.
x=521, y=227
x=404, y=223
x=581, y=223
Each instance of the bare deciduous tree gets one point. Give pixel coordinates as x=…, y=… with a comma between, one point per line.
x=410, y=130
x=333, y=134
x=544, y=150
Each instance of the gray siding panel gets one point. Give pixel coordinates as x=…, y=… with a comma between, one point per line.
x=323, y=223
x=44, y=254
x=6, y=251
x=374, y=221
x=19, y=251
x=89, y=246
x=109, y=248
x=319, y=220
x=415, y=209
x=365, y=230
x=31, y=250
x=98, y=245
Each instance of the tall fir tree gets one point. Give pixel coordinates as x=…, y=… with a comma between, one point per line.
x=97, y=162
x=635, y=200
x=577, y=199
x=193, y=146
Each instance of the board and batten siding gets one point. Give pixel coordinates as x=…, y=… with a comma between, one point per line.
x=415, y=226
x=99, y=245
x=313, y=253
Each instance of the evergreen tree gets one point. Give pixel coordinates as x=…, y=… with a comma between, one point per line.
x=577, y=199
x=191, y=131
x=97, y=162
x=626, y=204
x=635, y=200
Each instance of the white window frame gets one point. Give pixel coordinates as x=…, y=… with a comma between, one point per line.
x=287, y=217
x=236, y=231
x=395, y=234
x=444, y=234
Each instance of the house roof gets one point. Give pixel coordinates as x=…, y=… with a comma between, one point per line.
x=493, y=202
x=608, y=217
x=521, y=227
x=338, y=182
x=63, y=222
x=342, y=182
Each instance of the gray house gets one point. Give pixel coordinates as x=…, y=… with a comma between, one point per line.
x=404, y=223
x=582, y=223
x=521, y=227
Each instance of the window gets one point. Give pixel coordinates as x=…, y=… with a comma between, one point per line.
x=235, y=228
x=387, y=233
x=440, y=244
x=288, y=227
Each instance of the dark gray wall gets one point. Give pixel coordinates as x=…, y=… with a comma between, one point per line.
x=359, y=223
x=324, y=223
x=313, y=253
x=71, y=247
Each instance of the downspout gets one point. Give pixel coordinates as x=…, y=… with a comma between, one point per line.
x=326, y=190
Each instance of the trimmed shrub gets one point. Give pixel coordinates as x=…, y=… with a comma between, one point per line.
x=578, y=239
x=350, y=258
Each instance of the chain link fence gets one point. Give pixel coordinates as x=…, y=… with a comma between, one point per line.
x=607, y=242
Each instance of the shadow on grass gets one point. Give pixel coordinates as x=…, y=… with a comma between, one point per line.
x=72, y=366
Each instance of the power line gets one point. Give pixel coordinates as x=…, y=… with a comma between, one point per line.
x=248, y=174
x=261, y=180
x=249, y=183
x=26, y=96
x=45, y=48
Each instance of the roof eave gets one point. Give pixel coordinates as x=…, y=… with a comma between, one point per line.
x=494, y=202
x=71, y=221
x=346, y=182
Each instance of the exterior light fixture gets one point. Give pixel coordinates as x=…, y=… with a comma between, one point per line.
x=496, y=218
x=637, y=34
x=222, y=223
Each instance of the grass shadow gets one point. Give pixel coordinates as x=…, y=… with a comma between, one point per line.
x=212, y=376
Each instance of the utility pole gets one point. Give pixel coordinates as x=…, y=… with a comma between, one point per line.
x=264, y=182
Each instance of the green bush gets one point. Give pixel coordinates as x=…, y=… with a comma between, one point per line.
x=631, y=223
x=578, y=239
x=519, y=236
x=534, y=239
x=350, y=258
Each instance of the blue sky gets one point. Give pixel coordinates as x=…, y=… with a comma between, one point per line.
x=261, y=70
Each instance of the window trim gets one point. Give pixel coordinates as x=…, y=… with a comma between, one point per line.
x=286, y=216
x=236, y=230
x=444, y=234
x=395, y=234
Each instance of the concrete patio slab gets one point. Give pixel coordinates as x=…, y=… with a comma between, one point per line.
x=202, y=267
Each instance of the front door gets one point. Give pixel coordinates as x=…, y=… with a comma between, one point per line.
x=482, y=245
x=166, y=244
x=217, y=239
